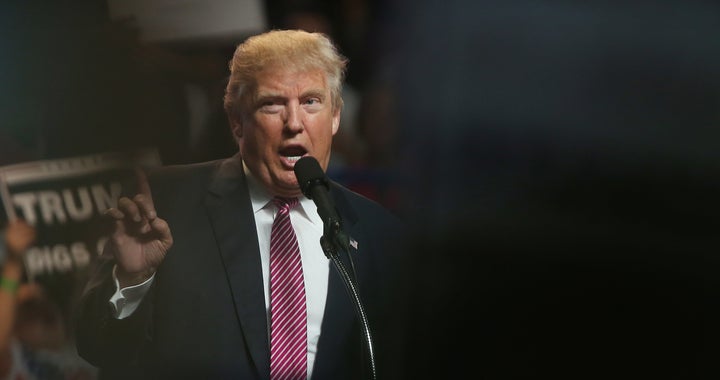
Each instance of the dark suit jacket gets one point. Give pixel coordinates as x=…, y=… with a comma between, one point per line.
x=204, y=316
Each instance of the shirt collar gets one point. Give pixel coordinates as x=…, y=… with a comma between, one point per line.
x=261, y=199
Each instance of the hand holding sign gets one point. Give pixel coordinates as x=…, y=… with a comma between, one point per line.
x=19, y=236
x=140, y=239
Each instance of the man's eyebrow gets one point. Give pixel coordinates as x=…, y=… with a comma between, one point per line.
x=275, y=96
x=268, y=95
x=314, y=92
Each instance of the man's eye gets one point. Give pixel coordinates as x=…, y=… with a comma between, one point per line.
x=312, y=101
x=270, y=107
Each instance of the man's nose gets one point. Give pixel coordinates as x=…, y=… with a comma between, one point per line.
x=293, y=120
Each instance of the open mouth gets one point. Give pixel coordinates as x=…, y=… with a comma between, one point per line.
x=290, y=155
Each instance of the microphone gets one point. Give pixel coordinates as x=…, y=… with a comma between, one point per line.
x=315, y=185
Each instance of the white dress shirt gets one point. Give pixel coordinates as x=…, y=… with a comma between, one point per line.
x=308, y=227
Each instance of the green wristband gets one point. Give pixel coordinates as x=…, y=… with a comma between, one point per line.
x=11, y=286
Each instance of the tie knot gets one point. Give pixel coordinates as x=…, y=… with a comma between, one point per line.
x=285, y=203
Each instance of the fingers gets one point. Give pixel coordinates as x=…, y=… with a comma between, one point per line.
x=143, y=186
x=145, y=205
x=162, y=229
x=129, y=210
x=114, y=213
x=140, y=207
x=137, y=214
x=144, y=196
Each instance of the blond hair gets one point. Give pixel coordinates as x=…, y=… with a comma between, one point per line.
x=286, y=49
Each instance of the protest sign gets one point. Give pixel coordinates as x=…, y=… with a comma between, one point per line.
x=64, y=199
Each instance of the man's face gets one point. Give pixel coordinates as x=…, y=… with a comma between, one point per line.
x=291, y=117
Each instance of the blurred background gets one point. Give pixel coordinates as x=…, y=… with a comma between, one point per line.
x=557, y=161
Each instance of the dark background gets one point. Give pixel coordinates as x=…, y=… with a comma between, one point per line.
x=564, y=164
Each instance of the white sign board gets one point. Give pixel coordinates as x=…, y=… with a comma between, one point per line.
x=184, y=20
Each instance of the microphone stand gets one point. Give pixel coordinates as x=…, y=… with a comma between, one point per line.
x=332, y=241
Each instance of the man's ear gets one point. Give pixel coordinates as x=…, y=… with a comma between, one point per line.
x=235, y=127
x=336, y=122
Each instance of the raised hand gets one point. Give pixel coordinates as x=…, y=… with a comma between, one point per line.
x=19, y=236
x=140, y=240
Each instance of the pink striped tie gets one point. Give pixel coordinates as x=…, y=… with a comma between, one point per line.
x=288, y=313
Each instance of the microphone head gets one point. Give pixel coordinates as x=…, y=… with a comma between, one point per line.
x=309, y=173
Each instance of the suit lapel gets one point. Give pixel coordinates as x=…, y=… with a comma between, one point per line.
x=228, y=205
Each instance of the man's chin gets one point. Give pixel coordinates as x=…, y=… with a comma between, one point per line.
x=288, y=188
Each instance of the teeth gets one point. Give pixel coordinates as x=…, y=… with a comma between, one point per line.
x=293, y=158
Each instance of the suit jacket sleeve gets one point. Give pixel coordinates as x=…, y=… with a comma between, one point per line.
x=101, y=339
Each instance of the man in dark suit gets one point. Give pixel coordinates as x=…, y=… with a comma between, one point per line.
x=182, y=289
